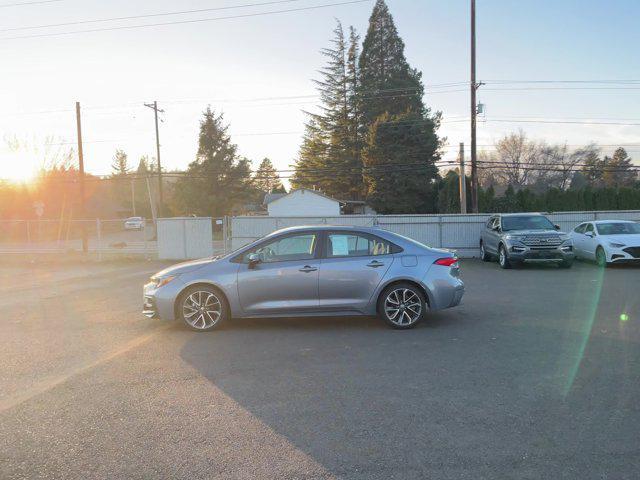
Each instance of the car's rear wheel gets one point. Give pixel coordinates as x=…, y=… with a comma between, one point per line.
x=483, y=253
x=402, y=306
x=503, y=259
x=202, y=308
x=601, y=257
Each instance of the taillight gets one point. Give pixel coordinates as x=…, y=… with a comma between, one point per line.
x=447, y=262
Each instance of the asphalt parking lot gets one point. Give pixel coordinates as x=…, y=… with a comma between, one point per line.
x=536, y=375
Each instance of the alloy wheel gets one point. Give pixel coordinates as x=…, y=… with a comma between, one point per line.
x=403, y=307
x=202, y=310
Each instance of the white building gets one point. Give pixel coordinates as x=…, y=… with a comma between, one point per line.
x=302, y=203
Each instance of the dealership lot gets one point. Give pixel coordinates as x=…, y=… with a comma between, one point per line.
x=536, y=375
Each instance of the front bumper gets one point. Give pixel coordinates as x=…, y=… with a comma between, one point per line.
x=626, y=254
x=519, y=252
x=159, y=302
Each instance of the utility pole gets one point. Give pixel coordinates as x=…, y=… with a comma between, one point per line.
x=474, y=113
x=133, y=197
x=85, y=242
x=463, y=181
x=154, y=106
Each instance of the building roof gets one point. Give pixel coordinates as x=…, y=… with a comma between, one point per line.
x=282, y=195
x=271, y=197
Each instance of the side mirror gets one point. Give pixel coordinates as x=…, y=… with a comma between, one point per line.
x=496, y=228
x=557, y=227
x=254, y=260
x=590, y=234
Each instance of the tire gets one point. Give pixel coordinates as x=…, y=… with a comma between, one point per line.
x=601, y=258
x=411, y=304
x=503, y=258
x=202, y=308
x=484, y=256
x=566, y=264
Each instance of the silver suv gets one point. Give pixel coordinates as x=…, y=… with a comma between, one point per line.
x=516, y=238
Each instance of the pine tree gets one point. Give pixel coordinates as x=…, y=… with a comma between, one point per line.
x=266, y=178
x=330, y=154
x=218, y=180
x=120, y=165
x=401, y=145
x=619, y=170
x=387, y=83
x=400, y=173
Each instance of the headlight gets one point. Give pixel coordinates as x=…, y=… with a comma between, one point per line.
x=513, y=237
x=564, y=238
x=162, y=281
x=616, y=245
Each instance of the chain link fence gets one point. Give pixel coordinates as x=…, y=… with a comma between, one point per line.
x=102, y=237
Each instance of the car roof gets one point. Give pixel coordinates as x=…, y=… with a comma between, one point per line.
x=528, y=214
x=304, y=228
x=597, y=222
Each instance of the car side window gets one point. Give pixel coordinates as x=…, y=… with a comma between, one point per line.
x=589, y=228
x=285, y=249
x=580, y=228
x=491, y=222
x=356, y=245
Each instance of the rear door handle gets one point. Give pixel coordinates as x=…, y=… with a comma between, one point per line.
x=375, y=264
x=308, y=269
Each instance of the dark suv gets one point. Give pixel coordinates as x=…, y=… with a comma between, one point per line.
x=515, y=238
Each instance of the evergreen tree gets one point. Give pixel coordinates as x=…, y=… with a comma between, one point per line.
x=218, y=180
x=266, y=178
x=329, y=157
x=400, y=128
x=387, y=83
x=619, y=171
x=400, y=173
x=120, y=165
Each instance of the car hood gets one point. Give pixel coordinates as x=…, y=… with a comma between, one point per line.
x=630, y=240
x=533, y=232
x=185, y=267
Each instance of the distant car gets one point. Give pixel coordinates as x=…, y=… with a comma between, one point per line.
x=607, y=241
x=310, y=271
x=134, y=223
x=517, y=238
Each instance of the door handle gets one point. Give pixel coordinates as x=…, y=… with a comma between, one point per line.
x=375, y=264
x=308, y=269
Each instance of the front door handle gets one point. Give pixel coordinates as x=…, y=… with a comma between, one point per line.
x=308, y=269
x=375, y=264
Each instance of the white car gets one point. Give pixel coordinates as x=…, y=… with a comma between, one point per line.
x=607, y=241
x=134, y=223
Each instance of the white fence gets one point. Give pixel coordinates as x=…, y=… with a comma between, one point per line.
x=457, y=232
x=183, y=238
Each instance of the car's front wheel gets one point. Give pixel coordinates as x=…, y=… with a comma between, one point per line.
x=601, y=257
x=402, y=306
x=503, y=259
x=202, y=308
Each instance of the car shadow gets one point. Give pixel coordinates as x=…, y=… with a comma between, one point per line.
x=330, y=384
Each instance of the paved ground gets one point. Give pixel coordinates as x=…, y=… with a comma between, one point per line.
x=535, y=376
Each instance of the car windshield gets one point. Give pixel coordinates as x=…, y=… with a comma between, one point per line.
x=526, y=222
x=618, y=228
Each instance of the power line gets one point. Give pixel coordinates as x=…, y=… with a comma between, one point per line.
x=620, y=81
x=572, y=122
x=182, y=22
x=28, y=3
x=149, y=15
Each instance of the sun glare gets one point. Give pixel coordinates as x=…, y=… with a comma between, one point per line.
x=17, y=167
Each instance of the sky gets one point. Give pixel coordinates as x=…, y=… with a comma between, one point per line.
x=249, y=68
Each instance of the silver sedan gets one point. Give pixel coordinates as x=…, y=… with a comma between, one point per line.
x=310, y=271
